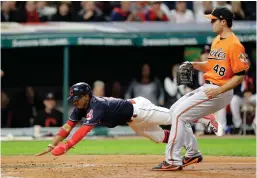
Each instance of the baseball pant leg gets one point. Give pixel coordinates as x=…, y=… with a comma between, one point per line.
x=195, y=107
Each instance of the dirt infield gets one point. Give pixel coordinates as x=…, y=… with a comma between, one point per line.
x=121, y=166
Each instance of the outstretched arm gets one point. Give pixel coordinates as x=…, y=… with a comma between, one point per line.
x=63, y=132
x=77, y=136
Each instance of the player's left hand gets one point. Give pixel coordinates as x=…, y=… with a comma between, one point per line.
x=212, y=92
x=60, y=149
x=49, y=148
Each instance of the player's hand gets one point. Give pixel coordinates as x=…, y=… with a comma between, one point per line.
x=49, y=148
x=212, y=92
x=60, y=149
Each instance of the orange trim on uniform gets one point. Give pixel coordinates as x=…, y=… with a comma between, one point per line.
x=210, y=16
x=177, y=123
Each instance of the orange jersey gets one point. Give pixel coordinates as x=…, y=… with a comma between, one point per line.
x=226, y=58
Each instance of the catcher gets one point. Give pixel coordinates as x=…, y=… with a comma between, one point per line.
x=139, y=113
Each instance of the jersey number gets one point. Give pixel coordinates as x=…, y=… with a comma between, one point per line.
x=219, y=70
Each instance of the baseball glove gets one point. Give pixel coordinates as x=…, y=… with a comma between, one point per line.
x=185, y=74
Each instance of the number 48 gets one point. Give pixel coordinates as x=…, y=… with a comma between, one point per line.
x=219, y=70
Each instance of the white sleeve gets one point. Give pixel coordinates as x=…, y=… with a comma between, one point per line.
x=197, y=6
x=190, y=16
x=172, y=15
x=170, y=86
x=165, y=9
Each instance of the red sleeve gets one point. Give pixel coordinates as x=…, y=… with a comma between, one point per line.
x=141, y=15
x=64, y=133
x=164, y=18
x=72, y=123
x=79, y=135
x=117, y=10
x=151, y=16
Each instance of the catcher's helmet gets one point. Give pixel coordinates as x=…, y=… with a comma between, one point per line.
x=78, y=90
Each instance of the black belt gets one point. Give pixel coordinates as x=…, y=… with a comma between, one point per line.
x=209, y=82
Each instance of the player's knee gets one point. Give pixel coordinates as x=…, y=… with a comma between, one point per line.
x=155, y=136
x=156, y=139
x=177, y=115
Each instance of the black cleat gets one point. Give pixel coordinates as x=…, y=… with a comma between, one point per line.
x=164, y=166
x=191, y=160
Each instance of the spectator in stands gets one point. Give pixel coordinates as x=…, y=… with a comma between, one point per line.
x=246, y=88
x=197, y=6
x=7, y=14
x=5, y=110
x=206, y=9
x=248, y=111
x=90, y=13
x=45, y=12
x=172, y=91
x=181, y=14
x=139, y=10
x=29, y=14
x=222, y=4
x=237, y=101
x=147, y=86
x=99, y=88
x=24, y=107
x=122, y=13
x=116, y=90
x=155, y=13
x=2, y=73
x=172, y=4
x=34, y=102
x=64, y=13
x=12, y=5
x=165, y=9
x=50, y=116
x=106, y=7
x=249, y=9
x=237, y=10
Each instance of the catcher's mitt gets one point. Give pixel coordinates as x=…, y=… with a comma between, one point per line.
x=185, y=74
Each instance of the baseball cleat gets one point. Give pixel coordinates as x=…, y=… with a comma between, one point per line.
x=164, y=166
x=214, y=124
x=191, y=160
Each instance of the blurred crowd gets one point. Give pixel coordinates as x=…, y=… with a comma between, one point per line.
x=26, y=108
x=98, y=11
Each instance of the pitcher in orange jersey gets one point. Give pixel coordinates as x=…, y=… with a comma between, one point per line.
x=224, y=70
